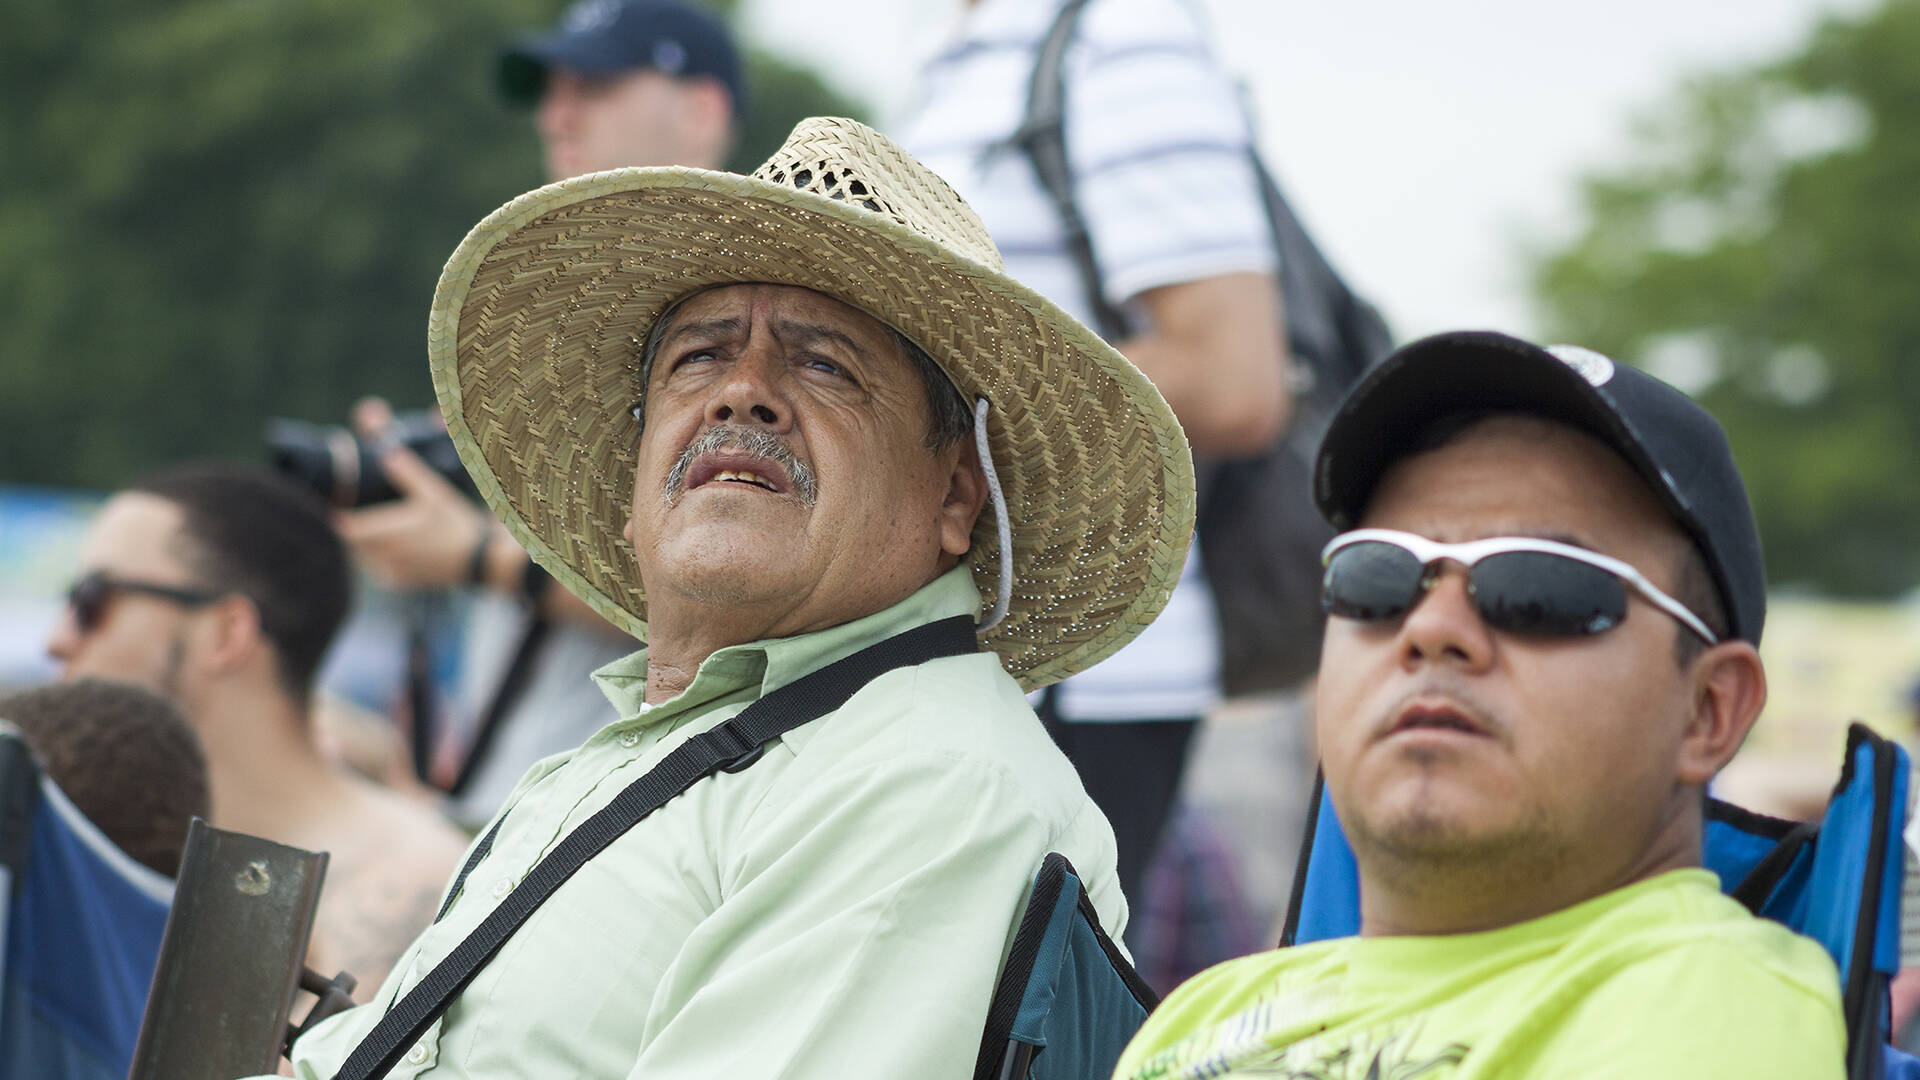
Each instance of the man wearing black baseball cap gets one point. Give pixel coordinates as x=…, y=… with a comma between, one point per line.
x=625, y=83
x=1542, y=646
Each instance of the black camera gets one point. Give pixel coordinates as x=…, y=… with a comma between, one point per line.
x=345, y=468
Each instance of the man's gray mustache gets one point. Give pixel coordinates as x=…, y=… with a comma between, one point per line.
x=755, y=441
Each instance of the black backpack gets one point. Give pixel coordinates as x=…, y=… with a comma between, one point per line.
x=1259, y=530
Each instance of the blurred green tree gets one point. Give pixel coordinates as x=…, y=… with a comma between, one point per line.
x=1761, y=249
x=213, y=212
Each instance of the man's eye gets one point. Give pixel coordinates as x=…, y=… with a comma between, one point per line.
x=821, y=363
x=694, y=358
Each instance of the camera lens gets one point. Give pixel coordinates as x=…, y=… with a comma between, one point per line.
x=345, y=470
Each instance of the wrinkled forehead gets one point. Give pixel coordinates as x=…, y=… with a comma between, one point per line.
x=758, y=300
x=750, y=300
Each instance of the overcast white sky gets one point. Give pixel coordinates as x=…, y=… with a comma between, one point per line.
x=1424, y=143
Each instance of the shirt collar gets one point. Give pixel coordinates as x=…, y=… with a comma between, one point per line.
x=765, y=666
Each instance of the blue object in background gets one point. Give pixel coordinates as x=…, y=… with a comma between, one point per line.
x=82, y=923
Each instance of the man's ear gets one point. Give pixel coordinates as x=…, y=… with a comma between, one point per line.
x=1729, y=687
x=966, y=493
x=231, y=635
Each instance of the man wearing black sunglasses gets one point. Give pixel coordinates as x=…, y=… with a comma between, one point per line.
x=1545, y=608
x=220, y=587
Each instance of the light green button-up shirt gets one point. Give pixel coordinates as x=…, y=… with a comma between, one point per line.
x=839, y=909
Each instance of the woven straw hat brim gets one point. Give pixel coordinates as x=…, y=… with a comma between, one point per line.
x=535, y=345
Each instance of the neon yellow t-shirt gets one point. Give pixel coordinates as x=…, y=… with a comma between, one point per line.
x=1664, y=978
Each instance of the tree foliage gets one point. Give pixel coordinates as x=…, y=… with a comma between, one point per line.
x=216, y=211
x=1762, y=250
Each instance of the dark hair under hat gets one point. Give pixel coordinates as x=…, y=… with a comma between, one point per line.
x=1668, y=438
x=606, y=37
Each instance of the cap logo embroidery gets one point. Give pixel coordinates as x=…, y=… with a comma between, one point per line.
x=589, y=16
x=1590, y=365
x=670, y=56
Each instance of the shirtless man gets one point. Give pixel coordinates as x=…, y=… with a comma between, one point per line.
x=220, y=587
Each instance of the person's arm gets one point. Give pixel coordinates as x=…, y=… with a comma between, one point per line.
x=428, y=537
x=860, y=931
x=1216, y=353
x=1159, y=150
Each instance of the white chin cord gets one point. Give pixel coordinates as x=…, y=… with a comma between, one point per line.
x=1000, y=520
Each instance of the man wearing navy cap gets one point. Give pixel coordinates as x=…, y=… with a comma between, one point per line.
x=625, y=83
x=1545, y=610
x=618, y=83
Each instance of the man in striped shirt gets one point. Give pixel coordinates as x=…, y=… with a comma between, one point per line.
x=1157, y=144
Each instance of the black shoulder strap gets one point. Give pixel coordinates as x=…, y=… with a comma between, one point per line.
x=513, y=686
x=1042, y=136
x=731, y=746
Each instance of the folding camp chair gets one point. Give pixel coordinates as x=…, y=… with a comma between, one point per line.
x=1837, y=880
x=1067, y=1000
x=82, y=924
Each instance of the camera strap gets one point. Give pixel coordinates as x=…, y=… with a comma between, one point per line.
x=730, y=746
x=513, y=687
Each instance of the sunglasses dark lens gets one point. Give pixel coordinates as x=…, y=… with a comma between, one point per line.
x=1533, y=592
x=88, y=600
x=1370, y=581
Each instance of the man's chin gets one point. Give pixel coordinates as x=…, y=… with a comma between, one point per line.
x=1441, y=825
x=726, y=566
x=1426, y=833
x=163, y=684
x=1437, y=814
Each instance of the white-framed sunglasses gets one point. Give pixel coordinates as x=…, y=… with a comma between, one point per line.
x=1520, y=584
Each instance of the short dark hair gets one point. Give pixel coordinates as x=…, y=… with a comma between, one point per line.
x=949, y=419
x=126, y=757
x=1693, y=584
x=252, y=532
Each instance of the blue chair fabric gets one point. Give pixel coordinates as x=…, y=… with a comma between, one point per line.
x=82, y=926
x=1067, y=1000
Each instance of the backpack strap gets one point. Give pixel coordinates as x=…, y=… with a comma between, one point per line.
x=1325, y=323
x=729, y=746
x=1042, y=136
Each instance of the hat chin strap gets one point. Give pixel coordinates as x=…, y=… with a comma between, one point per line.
x=1003, y=525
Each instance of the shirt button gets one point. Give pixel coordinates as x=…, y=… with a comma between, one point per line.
x=418, y=1054
x=629, y=738
x=502, y=887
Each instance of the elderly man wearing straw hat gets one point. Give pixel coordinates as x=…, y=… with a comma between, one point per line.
x=858, y=490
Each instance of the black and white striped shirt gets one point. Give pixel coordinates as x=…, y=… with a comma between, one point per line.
x=1157, y=142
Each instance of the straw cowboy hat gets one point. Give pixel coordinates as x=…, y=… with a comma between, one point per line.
x=541, y=315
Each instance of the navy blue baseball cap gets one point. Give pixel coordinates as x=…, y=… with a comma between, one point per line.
x=1675, y=445
x=606, y=37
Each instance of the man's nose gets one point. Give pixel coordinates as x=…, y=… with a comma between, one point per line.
x=751, y=392
x=557, y=108
x=63, y=644
x=1445, y=626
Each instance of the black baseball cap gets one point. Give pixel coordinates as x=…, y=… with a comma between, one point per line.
x=606, y=37
x=1673, y=443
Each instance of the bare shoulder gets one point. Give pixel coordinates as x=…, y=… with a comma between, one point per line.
x=393, y=857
